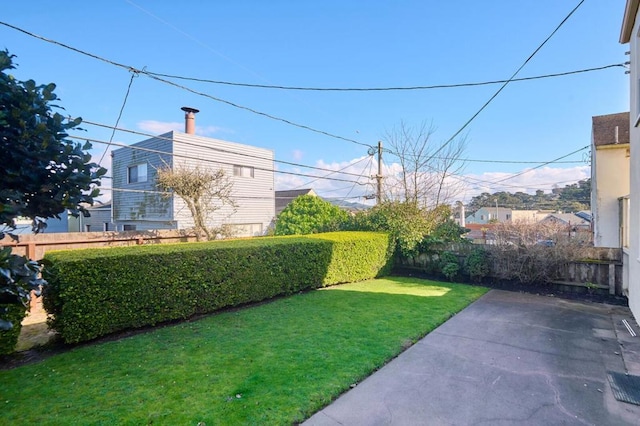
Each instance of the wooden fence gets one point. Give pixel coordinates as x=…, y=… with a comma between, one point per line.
x=35, y=246
x=600, y=270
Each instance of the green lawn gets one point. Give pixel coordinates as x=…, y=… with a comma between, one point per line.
x=275, y=363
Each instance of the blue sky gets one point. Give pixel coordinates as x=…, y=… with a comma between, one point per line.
x=339, y=44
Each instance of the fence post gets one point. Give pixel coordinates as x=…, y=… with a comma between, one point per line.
x=31, y=250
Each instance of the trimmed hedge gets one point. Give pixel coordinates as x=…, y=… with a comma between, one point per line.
x=95, y=292
x=357, y=256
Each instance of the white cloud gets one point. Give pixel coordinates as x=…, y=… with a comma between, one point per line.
x=545, y=178
x=159, y=127
x=297, y=154
x=338, y=185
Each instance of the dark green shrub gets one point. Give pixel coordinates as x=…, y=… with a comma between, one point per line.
x=8, y=338
x=476, y=264
x=19, y=278
x=450, y=270
x=449, y=265
x=99, y=291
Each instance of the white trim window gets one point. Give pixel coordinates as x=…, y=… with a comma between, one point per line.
x=243, y=171
x=137, y=173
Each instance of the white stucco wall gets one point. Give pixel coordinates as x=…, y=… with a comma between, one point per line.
x=632, y=267
x=610, y=181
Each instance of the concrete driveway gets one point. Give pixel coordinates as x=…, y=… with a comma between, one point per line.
x=509, y=358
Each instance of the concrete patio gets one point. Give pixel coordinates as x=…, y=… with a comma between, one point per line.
x=509, y=358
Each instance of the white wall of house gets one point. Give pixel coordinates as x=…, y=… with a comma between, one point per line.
x=610, y=177
x=528, y=216
x=137, y=204
x=489, y=214
x=249, y=168
x=629, y=34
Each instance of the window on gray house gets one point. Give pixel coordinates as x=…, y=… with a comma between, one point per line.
x=105, y=226
x=128, y=227
x=243, y=171
x=137, y=173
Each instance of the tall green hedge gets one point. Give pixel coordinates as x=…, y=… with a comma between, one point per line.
x=95, y=292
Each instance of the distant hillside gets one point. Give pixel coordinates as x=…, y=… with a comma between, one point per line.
x=348, y=205
x=572, y=198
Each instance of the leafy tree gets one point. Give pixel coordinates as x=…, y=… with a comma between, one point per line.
x=407, y=223
x=203, y=191
x=43, y=173
x=447, y=231
x=308, y=214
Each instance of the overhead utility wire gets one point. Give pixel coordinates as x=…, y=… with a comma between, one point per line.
x=541, y=165
x=464, y=126
x=170, y=154
x=124, y=102
x=171, y=83
x=333, y=172
x=240, y=197
x=379, y=89
x=93, y=123
x=472, y=160
x=476, y=181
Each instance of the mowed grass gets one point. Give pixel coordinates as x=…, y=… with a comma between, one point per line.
x=276, y=363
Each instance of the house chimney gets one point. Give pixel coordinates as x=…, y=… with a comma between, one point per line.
x=190, y=120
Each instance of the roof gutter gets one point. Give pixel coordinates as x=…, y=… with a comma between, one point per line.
x=629, y=20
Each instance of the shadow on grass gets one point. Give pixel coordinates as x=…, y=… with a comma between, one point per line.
x=273, y=363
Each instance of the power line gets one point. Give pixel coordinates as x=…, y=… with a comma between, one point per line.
x=363, y=171
x=541, y=165
x=464, y=126
x=239, y=197
x=379, y=89
x=124, y=102
x=333, y=172
x=93, y=123
x=472, y=160
x=142, y=71
x=170, y=154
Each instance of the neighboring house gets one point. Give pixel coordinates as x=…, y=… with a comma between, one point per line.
x=283, y=198
x=630, y=33
x=572, y=221
x=138, y=205
x=502, y=214
x=489, y=214
x=99, y=221
x=609, y=176
x=586, y=215
x=480, y=233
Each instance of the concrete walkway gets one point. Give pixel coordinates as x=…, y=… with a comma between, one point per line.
x=509, y=358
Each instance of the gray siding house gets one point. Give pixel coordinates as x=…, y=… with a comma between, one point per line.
x=137, y=205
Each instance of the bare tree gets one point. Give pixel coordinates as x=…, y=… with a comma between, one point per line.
x=423, y=178
x=203, y=191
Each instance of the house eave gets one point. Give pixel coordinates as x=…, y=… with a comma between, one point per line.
x=629, y=20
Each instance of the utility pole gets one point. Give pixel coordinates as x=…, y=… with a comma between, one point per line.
x=379, y=175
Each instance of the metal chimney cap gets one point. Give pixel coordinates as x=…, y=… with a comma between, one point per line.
x=189, y=109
